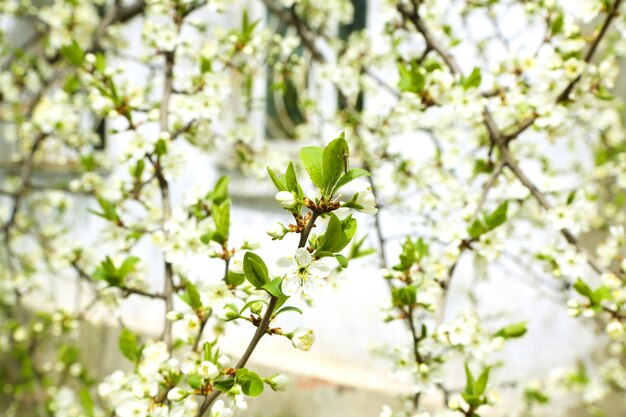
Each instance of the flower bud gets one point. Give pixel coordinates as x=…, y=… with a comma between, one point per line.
x=277, y=231
x=208, y=370
x=236, y=263
x=174, y=315
x=365, y=202
x=454, y=404
x=615, y=329
x=286, y=199
x=302, y=339
x=278, y=382
x=177, y=394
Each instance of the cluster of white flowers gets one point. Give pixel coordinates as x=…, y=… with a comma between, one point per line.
x=482, y=144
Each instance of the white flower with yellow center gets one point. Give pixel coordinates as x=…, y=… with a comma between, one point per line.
x=302, y=339
x=303, y=272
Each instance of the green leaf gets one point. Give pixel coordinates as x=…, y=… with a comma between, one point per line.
x=224, y=385
x=556, y=26
x=404, y=297
x=490, y=221
x=109, y=210
x=334, y=156
x=129, y=345
x=412, y=252
x=512, y=331
x=498, y=216
x=221, y=216
x=469, y=384
x=195, y=381
x=234, y=279
x=160, y=147
x=481, y=382
x=86, y=402
x=206, y=65
x=411, y=78
x=348, y=230
x=138, y=169
x=312, y=159
x=251, y=383
x=582, y=288
x=127, y=266
x=349, y=176
x=73, y=53
x=332, y=236
x=192, y=296
x=210, y=351
x=255, y=270
x=533, y=395
x=220, y=191
x=343, y=262
x=72, y=84
x=473, y=80
x=291, y=180
x=250, y=304
x=100, y=63
x=599, y=294
x=288, y=308
x=279, y=183
x=274, y=287
x=356, y=250
x=476, y=229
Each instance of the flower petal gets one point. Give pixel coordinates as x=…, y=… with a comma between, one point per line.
x=303, y=257
x=319, y=269
x=291, y=285
x=286, y=265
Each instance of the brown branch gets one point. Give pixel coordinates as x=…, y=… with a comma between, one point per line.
x=495, y=134
x=564, y=95
x=432, y=44
x=545, y=204
x=168, y=274
x=261, y=330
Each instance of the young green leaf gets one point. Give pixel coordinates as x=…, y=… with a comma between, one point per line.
x=221, y=216
x=498, y=216
x=291, y=180
x=342, y=260
x=312, y=159
x=278, y=182
x=274, y=287
x=334, y=162
x=73, y=53
x=86, y=402
x=220, y=191
x=328, y=241
x=224, y=385
x=251, y=383
x=234, y=279
x=481, y=382
x=129, y=345
x=127, y=266
x=195, y=381
x=289, y=308
x=191, y=296
x=473, y=80
x=411, y=78
x=255, y=270
x=512, y=331
x=469, y=384
x=582, y=288
x=349, y=176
